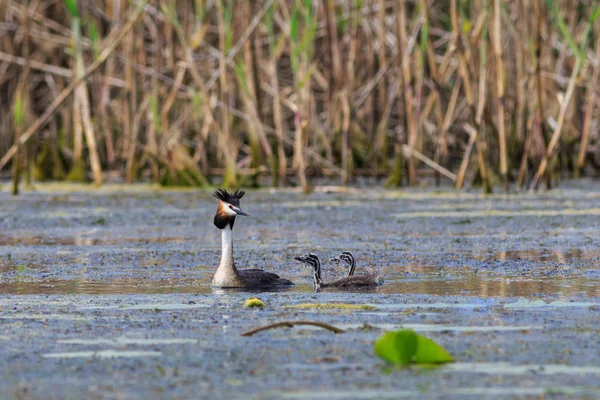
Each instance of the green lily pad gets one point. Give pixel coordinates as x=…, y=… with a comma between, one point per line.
x=397, y=347
x=404, y=347
x=429, y=352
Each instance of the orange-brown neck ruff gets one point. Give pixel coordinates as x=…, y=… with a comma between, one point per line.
x=222, y=218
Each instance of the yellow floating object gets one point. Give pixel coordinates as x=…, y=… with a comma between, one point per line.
x=253, y=302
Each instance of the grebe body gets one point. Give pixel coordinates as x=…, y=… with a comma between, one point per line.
x=227, y=275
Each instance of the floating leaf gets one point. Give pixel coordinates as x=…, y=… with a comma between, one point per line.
x=253, y=302
x=397, y=347
x=405, y=346
x=429, y=352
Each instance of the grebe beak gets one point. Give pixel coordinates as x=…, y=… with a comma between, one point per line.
x=239, y=211
x=299, y=258
x=335, y=259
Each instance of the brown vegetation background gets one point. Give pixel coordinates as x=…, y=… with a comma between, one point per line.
x=191, y=92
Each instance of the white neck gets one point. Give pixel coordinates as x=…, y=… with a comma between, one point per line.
x=227, y=275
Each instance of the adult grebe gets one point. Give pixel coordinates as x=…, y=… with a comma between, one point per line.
x=227, y=275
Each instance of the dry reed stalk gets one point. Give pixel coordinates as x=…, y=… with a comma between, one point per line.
x=481, y=99
x=257, y=57
x=521, y=79
x=259, y=145
x=589, y=108
x=497, y=46
x=334, y=47
x=381, y=138
x=130, y=166
x=90, y=135
x=299, y=151
x=114, y=13
x=346, y=151
x=441, y=149
x=83, y=106
x=460, y=177
x=347, y=160
x=549, y=154
x=409, y=152
x=230, y=178
x=130, y=73
x=465, y=78
x=278, y=121
x=112, y=42
x=539, y=112
x=411, y=124
x=22, y=100
x=354, y=104
x=580, y=56
x=387, y=110
x=460, y=52
x=526, y=149
x=168, y=103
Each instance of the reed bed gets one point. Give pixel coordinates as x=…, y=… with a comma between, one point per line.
x=474, y=92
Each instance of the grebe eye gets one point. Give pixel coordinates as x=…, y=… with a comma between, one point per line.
x=231, y=207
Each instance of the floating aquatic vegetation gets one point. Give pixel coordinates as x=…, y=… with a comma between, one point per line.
x=405, y=347
x=253, y=302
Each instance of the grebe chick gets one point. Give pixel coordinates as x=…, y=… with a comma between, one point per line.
x=227, y=275
x=349, y=259
x=312, y=260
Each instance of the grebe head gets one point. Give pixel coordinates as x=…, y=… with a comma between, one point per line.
x=309, y=259
x=229, y=207
x=346, y=257
x=312, y=260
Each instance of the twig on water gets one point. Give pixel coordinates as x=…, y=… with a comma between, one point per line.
x=289, y=324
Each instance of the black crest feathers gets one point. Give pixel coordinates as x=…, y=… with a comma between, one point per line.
x=231, y=198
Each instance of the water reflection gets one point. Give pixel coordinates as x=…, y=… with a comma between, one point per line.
x=561, y=256
x=467, y=284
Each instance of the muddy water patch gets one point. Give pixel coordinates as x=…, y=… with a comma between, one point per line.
x=497, y=368
x=500, y=213
x=61, y=317
x=502, y=368
x=104, y=354
x=482, y=392
x=149, y=306
x=528, y=304
x=443, y=328
x=80, y=240
x=124, y=341
x=118, y=286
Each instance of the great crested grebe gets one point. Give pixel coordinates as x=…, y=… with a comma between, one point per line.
x=348, y=258
x=312, y=260
x=227, y=275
